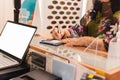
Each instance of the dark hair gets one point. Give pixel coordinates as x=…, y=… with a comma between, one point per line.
x=97, y=6
x=115, y=5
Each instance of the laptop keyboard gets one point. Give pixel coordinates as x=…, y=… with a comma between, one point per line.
x=6, y=61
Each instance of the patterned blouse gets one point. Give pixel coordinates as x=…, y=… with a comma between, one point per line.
x=100, y=26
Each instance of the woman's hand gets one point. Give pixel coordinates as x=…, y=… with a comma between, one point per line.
x=104, y=0
x=74, y=42
x=63, y=33
x=85, y=42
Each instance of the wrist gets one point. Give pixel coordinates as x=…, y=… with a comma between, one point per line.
x=67, y=34
x=105, y=1
x=73, y=33
x=88, y=40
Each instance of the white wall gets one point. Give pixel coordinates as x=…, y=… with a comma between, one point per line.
x=87, y=5
x=6, y=12
x=36, y=19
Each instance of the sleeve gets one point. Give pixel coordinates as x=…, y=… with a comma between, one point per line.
x=110, y=32
x=76, y=31
x=81, y=30
x=110, y=25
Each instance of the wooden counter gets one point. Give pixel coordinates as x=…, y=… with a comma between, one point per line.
x=113, y=74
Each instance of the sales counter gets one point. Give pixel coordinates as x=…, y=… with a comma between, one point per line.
x=91, y=59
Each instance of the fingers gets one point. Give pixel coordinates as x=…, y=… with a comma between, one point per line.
x=68, y=42
x=104, y=0
x=62, y=34
x=66, y=34
x=55, y=34
x=71, y=42
x=65, y=40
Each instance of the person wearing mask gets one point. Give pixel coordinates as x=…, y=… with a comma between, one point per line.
x=98, y=22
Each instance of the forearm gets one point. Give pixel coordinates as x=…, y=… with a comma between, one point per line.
x=93, y=42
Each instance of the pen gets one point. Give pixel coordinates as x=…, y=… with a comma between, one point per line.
x=58, y=28
x=59, y=31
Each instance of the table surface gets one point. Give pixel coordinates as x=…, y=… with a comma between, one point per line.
x=90, y=57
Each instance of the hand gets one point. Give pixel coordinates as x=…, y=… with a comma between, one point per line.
x=104, y=0
x=84, y=42
x=74, y=42
x=64, y=33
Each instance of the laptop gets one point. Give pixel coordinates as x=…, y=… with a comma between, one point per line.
x=14, y=43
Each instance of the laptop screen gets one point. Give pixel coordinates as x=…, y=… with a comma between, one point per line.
x=15, y=38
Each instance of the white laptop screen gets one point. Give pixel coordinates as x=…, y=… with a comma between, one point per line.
x=15, y=38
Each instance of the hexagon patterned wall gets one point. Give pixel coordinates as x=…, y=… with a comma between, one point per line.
x=65, y=13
